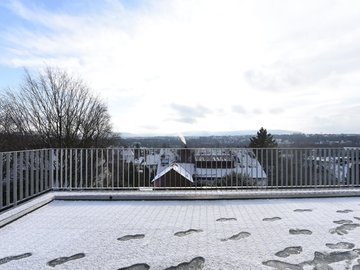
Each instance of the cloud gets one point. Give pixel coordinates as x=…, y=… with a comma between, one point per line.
x=307, y=53
x=257, y=111
x=197, y=63
x=186, y=119
x=150, y=127
x=276, y=110
x=342, y=118
x=291, y=74
x=272, y=78
x=239, y=109
x=189, y=114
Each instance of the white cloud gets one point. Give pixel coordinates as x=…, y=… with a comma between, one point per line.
x=286, y=65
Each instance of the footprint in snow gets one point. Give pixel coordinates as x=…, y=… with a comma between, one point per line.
x=15, y=257
x=195, y=264
x=238, y=236
x=300, y=231
x=344, y=228
x=184, y=233
x=271, y=219
x=138, y=266
x=357, y=266
x=343, y=221
x=320, y=261
x=289, y=251
x=282, y=265
x=344, y=211
x=341, y=245
x=131, y=237
x=303, y=210
x=226, y=219
x=62, y=260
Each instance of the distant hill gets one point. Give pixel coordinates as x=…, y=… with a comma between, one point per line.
x=209, y=133
x=238, y=133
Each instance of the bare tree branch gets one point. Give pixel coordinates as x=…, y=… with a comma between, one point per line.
x=58, y=109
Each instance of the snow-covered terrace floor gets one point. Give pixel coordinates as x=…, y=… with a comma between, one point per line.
x=217, y=234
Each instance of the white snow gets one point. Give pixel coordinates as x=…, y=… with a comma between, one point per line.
x=64, y=228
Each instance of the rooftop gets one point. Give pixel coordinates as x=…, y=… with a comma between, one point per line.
x=216, y=234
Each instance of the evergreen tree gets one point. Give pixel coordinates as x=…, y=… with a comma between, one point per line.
x=263, y=139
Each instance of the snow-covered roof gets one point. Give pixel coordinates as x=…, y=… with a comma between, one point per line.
x=211, y=151
x=213, y=158
x=180, y=168
x=252, y=172
x=254, y=232
x=212, y=172
x=245, y=163
x=139, y=160
x=128, y=155
x=152, y=159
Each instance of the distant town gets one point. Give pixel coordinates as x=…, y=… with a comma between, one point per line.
x=234, y=141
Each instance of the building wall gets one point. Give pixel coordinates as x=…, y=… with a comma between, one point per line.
x=172, y=179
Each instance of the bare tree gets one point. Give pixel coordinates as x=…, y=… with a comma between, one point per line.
x=57, y=108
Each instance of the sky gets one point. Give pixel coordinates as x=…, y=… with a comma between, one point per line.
x=174, y=66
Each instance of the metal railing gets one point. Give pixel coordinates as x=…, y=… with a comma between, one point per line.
x=25, y=174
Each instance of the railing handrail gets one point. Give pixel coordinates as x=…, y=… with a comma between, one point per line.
x=183, y=148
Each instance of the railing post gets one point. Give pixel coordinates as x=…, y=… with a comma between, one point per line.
x=1, y=181
x=112, y=168
x=91, y=167
x=86, y=168
x=81, y=168
x=37, y=170
x=123, y=172
x=61, y=163
x=7, y=196
x=21, y=176
x=41, y=168
x=70, y=168
x=65, y=185
x=76, y=168
x=96, y=167
x=357, y=167
x=352, y=168
x=301, y=176
x=51, y=168
x=15, y=182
